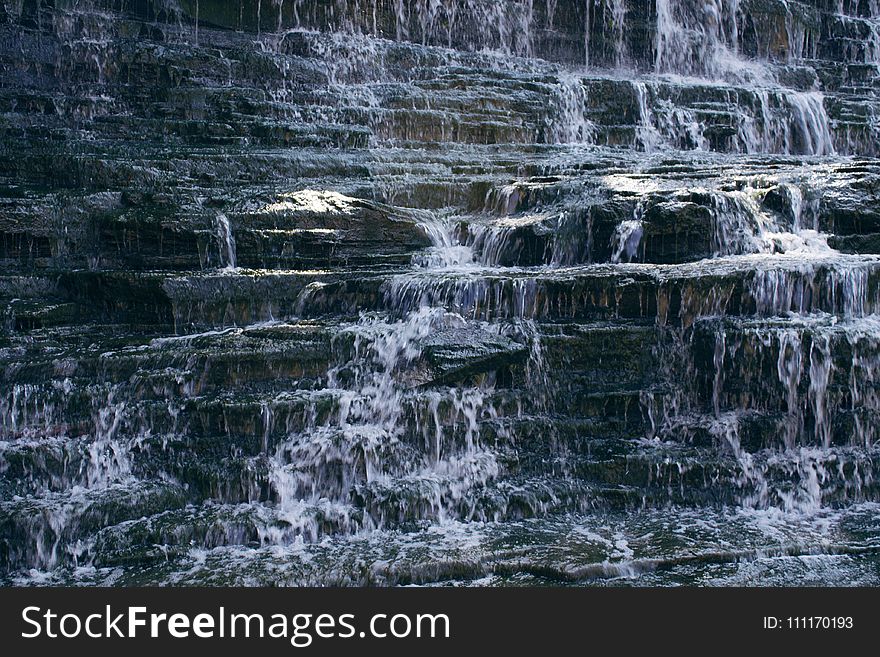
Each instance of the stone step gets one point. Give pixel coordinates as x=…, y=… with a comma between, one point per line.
x=810, y=369
x=546, y=220
x=46, y=531
x=381, y=293
x=726, y=118
x=760, y=285
x=669, y=546
x=169, y=534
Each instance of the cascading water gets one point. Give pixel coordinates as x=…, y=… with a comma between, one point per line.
x=569, y=123
x=452, y=291
x=226, y=241
x=697, y=39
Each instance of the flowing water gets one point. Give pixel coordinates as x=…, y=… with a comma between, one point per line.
x=453, y=292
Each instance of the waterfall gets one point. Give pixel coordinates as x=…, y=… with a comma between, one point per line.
x=696, y=39
x=440, y=292
x=811, y=135
x=376, y=408
x=648, y=135
x=588, y=27
x=618, y=18
x=226, y=241
x=627, y=237
x=569, y=123
x=551, y=12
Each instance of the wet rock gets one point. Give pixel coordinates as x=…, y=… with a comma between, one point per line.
x=455, y=355
x=286, y=284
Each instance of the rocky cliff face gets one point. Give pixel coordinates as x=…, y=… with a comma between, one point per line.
x=391, y=291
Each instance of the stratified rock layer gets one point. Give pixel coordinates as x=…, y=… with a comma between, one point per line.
x=393, y=292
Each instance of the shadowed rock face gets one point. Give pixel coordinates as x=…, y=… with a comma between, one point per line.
x=394, y=291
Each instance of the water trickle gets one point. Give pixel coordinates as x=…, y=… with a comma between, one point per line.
x=810, y=134
x=226, y=241
x=626, y=240
x=648, y=134
x=568, y=123
x=697, y=39
x=618, y=22
x=108, y=458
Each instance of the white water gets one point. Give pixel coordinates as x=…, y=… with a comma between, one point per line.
x=695, y=46
x=378, y=412
x=568, y=122
x=226, y=241
x=625, y=242
x=697, y=38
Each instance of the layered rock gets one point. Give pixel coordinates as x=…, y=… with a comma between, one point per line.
x=300, y=291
